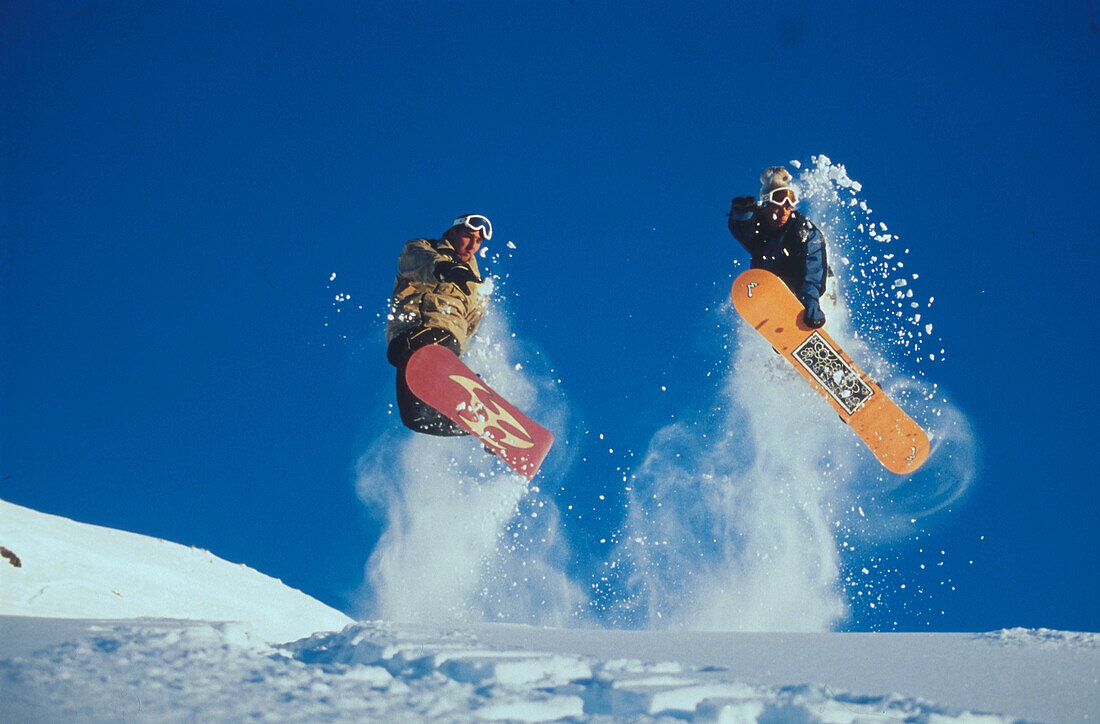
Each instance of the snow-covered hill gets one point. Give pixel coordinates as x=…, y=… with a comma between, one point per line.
x=58, y=568
x=214, y=644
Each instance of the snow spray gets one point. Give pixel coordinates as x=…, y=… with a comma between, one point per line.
x=465, y=539
x=737, y=517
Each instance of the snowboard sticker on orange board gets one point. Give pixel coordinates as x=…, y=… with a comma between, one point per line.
x=438, y=377
x=768, y=305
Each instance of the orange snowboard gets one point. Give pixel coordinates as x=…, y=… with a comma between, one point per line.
x=769, y=306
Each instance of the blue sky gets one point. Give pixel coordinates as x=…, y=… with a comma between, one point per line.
x=181, y=180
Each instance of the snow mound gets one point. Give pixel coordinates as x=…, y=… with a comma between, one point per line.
x=1045, y=636
x=56, y=568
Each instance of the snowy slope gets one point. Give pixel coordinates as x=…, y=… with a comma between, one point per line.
x=74, y=651
x=156, y=670
x=73, y=570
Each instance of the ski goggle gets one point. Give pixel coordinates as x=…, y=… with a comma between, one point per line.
x=476, y=222
x=782, y=195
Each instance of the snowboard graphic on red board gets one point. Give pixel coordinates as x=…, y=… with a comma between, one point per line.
x=773, y=310
x=438, y=377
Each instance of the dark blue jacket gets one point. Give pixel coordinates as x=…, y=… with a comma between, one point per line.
x=795, y=252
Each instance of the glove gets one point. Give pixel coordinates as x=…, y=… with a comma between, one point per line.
x=743, y=205
x=456, y=273
x=813, y=316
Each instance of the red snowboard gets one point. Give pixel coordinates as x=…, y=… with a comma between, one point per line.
x=439, y=378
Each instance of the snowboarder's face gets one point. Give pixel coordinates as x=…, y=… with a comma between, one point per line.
x=776, y=216
x=466, y=242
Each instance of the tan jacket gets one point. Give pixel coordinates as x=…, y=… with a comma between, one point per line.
x=421, y=300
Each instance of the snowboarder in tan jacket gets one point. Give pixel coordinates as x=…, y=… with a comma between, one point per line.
x=437, y=299
x=783, y=241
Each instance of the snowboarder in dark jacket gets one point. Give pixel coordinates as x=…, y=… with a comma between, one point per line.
x=783, y=241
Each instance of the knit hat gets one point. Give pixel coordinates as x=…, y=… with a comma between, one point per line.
x=776, y=177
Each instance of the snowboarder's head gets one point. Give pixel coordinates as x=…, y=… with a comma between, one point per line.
x=778, y=196
x=466, y=234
